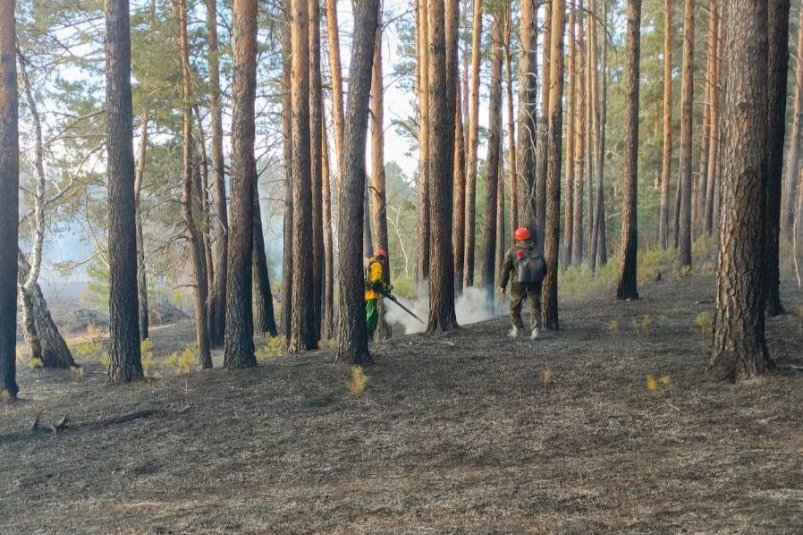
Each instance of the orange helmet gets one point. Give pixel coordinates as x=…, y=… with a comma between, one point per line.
x=522, y=234
x=381, y=253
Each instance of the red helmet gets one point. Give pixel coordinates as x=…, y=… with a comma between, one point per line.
x=522, y=234
x=381, y=253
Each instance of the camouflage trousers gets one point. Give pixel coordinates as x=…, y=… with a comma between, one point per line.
x=530, y=292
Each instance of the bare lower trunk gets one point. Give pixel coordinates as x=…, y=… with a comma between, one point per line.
x=687, y=102
x=316, y=162
x=571, y=100
x=578, y=237
x=327, y=316
x=494, y=146
x=666, y=159
x=715, y=141
x=424, y=230
x=264, y=319
x=287, y=158
x=473, y=142
x=543, y=131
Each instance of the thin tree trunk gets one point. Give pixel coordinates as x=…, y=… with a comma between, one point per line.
x=602, y=253
x=217, y=298
x=590, y=159
x=578, y=237
x=125, y=364
x=715, y=142
x=202, y=194
x=494, y=145
x=424, y=230
x=793, y=152
x=542, y=154
x=627, y=286
x=316, y=162
x=552, y=229
x=335, y=68
x=459, y=215
x=473, y=142
x=239, y=342
x=442, y=316
x=378, y=195
x=287, y=158
x=142, y=279
x=302, y=336
x=666, y=160
x=739, y=344
x=595, y=188
x=352, y=330
x=511, y=132
x=700, y=193
x=327, y=319
x=501, y=228
x=189, y=200
x=367, y=235
x=571, y=100
x=778, y=62
x=525, y=210
x=264, y=320
x=687, y=102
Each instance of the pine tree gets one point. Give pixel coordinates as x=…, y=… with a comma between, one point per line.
x=687, y=101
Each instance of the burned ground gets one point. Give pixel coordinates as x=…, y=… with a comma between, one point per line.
x=464, y=433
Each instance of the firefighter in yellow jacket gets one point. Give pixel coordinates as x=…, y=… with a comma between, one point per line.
x=375, y=287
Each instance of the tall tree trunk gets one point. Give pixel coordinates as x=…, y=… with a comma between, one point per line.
x=125, y=364
x=335, y=68
x=571, y=100
x=202, y=187
x=316, y=162
x=190, y=202
x=793, y=152
x=217, y=297
x=666, y=159
x=778, y=63
x=501, y=228
x=367, y=235
x=327, y=319
x=552, y=229
x=239, y=342
x=302, y=336
x=715, y=141
x=542, y=154
x=287, y=158
x=494, y=145
x=442, y=316
x=142, y=280
x=578, y=237
x=525, y=210
x=686, y=104
x=602, y=234
x=352, y=330
x=740, y=348
x=473, y=142
x=627, y=286
x=459, y=214
x=53, y=351
x=596, y=188
x=379, y=212
x=424, y=229
x=511, y=129
x=590, y=159
x=264, y=321
x=698, y=208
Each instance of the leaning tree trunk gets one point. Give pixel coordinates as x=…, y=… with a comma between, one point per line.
x=125, y=364
x=473, y=142
x=190, y=203
x=687, y=102
x=793, y=152
x=524, y=209
x=666, y=157
x=9, y=201
x=494, y=145
x=552, y=229
x=352, y=329
x=442, y=316
x=264, y=320
x=740, y=347
x=778, y=63
x=627, y=286
x=316, y=162
x=217, y=297
x=53, y=350
x=239, y=341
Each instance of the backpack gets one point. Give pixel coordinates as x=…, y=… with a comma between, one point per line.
x=530, y=265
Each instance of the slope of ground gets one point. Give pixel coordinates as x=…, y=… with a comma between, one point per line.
x=464, y=433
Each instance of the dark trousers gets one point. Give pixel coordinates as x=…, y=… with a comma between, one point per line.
x=531, y=292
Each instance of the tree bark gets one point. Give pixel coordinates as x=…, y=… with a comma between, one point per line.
x=190, y=202
x=715, y=140
x=571, y=100
x=597, y=190
x=543, y=131
x=578, y=237
x=424, y=229
x=142, y=278
x=666, y=158
x=378, y=196
x=335, y=68
x=511, y=131
x=778, y=63
x=739, y=344
x=459, y=215
x=442, y=316
x=239, y=340
x=473, y=142
x=687, y=102
x=316, y=162
x=793, y=152
x=501, y=227
x=698, y=208
x=525, y=210
x=327, y=319
x=287, y=158
x=302, y=336
x=494, y=145
x=627, y=287
x=217, y=298
x=552, y=229
x=602, y=234
x=352, y=330
x=264, y=321
x=125, y=364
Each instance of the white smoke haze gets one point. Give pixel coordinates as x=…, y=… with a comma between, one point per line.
x=471, y=307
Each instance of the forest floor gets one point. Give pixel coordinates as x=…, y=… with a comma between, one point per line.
x=465, y=433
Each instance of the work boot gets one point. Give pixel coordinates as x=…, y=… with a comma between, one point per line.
x=535, y=333
x=514, y=332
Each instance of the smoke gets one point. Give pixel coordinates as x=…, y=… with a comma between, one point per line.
x=471, y=307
